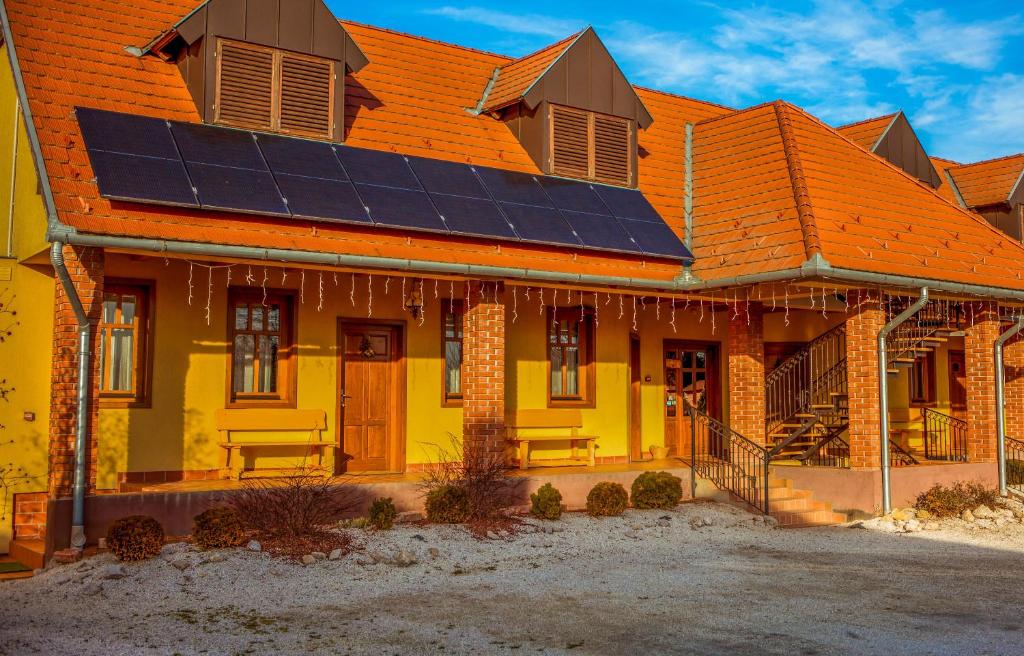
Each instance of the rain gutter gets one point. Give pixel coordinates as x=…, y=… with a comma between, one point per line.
x=1000, y=401
x=883, y=392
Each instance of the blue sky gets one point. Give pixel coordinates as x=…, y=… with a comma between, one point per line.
x=955, y=68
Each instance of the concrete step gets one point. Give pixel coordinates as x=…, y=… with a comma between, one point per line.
x=30, y=553
x=784, y=493
x=804, y=518
x=798, y=504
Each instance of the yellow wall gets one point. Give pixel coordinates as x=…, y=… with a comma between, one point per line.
x=25, y=355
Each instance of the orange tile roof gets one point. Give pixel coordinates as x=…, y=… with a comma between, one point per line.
x=989, y=182
x=866, y=133
x=773, y=183
x=516, y=77
x=941, y=166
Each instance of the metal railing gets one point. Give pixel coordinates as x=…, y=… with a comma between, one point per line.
x=945, y=437
x=834, y=451
x=728, y=459
x=1015, y=464
x=808, y=377
x=906, y=340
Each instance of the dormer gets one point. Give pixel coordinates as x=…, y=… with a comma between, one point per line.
x=892, y=138
x=268, y=65
x=572, y=109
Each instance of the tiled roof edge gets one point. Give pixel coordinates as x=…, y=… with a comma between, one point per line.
x=892, y=121
x=804, y=209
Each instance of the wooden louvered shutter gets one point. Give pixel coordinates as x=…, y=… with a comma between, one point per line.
x=307, y=96
x=245, y=85
x=612, y=150
x=570, y=142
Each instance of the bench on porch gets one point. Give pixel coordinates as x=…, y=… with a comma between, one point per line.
x=564, y=425
x=270, y=420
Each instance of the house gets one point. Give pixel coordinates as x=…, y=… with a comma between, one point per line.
x=230, y=225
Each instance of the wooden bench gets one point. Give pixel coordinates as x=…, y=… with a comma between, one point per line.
x=568, y=422
x=270, y=420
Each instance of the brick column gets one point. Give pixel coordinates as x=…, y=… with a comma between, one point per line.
x=86, y=268
x=1013, y=396
x=483, y=367
x=863, y=324
x=746, y=373
x=981, y=384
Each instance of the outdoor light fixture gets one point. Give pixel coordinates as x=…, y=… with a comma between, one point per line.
x=414, y=302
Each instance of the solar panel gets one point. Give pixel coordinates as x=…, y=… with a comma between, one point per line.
x=437, y=176
x=597, y=231
x=656, y=238
x=123, y=133
x=473, y=216
x=287, y=155
x=245, y=190
x=377, y=168
x=152, y=179
x=512, y=187
x=400, y=208
x=574, y=196
x=327, y=200
x=628, y=203
x=206, y=144
x=540, y=224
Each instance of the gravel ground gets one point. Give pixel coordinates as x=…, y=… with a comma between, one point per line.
x=647, y=582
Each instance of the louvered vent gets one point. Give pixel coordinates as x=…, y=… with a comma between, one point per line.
x=591, y=146
x=570, y=142
x=245, y=87
x=611, y=150
x=306, y=96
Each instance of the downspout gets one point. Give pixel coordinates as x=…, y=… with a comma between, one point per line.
x=687, y=274
x=883, y=392
x=1000, y=404
x=82, y=403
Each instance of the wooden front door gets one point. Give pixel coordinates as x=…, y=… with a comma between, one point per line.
x=370, y=399
x=635, y=435
x=957, y=384
x=691, y=376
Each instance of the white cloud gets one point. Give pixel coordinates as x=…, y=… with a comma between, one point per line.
x=532, y=24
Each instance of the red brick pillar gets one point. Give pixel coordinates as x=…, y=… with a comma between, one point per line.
x=746, y=373
x=863, y=324
x=981, y=383
x=1013, y=394
x=86, y=268
x=483, y=367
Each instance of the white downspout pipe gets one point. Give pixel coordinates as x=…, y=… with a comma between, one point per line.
x=883, y=392
x=82, y=403
x=1000, y=403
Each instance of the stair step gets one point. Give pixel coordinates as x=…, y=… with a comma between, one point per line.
x=835, y=394
x=937, y=340
x=776, y=482
x=803, y=518
x=787, y=494
x=798, y=504
x=30, y=553
x=804, y=415
x=825, y=406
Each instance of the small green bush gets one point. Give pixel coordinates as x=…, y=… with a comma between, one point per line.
x=952, y=501
x=657, y=490
x=217, y=528
x=382, y=514
x=607, y=499
x=447, y=504
x=137, y=537
x=546, y=502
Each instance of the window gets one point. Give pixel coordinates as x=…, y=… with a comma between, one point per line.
x=262, y=369
x=124, y=346
x=591, y=146
x=268, y=89
x=570, y=356
x=922, y=380
x=451, y=333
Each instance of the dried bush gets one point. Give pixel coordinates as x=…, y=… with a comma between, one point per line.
x=952, y=501
x=137, y=537
x=300, y=506
x=382, y=514
x=447, y=504
x=546, y=502
x=607, y=499
x=482, y=476
x=217, y=528
x=657, y=490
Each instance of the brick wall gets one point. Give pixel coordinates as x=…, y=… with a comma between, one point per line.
x=865, y=319
x=746, y=373
x=483, y=384
x=981, y=384
x=86, y=268
x=1013, y=397
x=30, y=516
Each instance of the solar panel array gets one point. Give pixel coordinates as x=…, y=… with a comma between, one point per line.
x=149, y=160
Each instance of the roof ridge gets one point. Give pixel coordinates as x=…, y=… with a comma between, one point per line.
x=681, y=96
x=868, y=120
x=509, y=59
x=571, y=37
x=988, y=161
x=801, y=196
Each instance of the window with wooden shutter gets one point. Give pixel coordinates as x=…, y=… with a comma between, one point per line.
x=591, y=146
x=267, y=89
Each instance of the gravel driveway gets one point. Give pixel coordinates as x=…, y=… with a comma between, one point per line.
x=648, y=582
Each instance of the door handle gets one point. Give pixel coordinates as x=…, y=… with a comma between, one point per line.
x=343, y=397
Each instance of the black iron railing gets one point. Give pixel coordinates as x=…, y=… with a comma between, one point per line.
x=1015, y=464
x=907, y=339
x=834, y=451
x=728, y=459
x=809, y=377
x=945, y=437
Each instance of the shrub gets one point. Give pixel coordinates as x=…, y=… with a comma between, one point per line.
x=657, y=490
x=448, y=504
x=137, y=537
x=952, y=501
x=382, y=514
x=546, y=502
x=300, y=507
x=217, y=528
x=607, y=499
x=482, y=477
